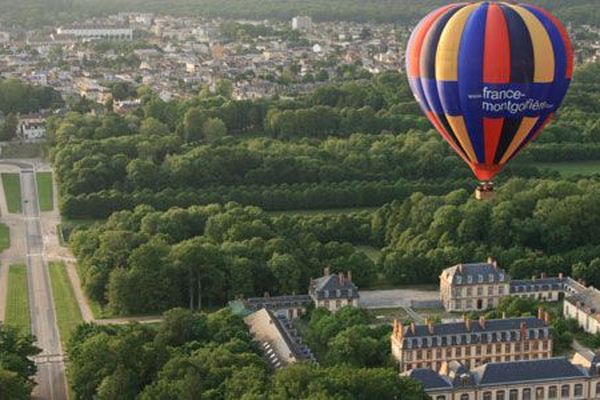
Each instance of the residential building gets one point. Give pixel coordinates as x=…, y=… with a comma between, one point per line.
x=334, y=291
x=471, y=287
x=540, y=379
x=277, y=338
x=472, y=343
x=302, y=23
x=114, y=32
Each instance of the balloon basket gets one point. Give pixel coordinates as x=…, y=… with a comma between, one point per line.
x=485, y=191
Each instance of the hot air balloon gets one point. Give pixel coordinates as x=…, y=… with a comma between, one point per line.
x=489, y=76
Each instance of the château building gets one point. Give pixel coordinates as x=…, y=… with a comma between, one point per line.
x=540, y=379
x=472, y=343
x=473, y=287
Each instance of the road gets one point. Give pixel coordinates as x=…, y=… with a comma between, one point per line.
x=51, y=379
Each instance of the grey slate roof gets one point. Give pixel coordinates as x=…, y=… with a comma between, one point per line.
x=532, y=285
x=277, y=302
x=430, y=379
x=526, y=371
x=589, y=299
x=476, y=273
x=492, y=325
x=504, y=373
x=333, y=286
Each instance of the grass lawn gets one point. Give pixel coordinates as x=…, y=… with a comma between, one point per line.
x=45, y=190
x=12, y=192
x=17, y=300
x=331, y=211
x=568, y=169
x=67, y=310
x=4, y=237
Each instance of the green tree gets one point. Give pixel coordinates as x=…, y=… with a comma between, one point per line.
x=213, y=129
x=8, y=130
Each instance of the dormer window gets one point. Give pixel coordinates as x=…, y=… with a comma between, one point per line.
x=459, y=280
x=469, y=279
x=491, y=277
x=501, y=277
x=480, y=278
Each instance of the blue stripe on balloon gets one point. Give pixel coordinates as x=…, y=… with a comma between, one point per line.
x=417, y=89
x=470, y=77
x=433, y=98
x=449, y=97
x=521, y=48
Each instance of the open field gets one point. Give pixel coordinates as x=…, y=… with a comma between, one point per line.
x=330, y=211
x=4, y=237
x=68, y=315
x=17, y=301
x=45, y=190
x=12, y=192
x=568, y=169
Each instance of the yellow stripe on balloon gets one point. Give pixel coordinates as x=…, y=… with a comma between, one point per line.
x=524, y=129
x=543, y=51
x=446, y=58
x=460, y=131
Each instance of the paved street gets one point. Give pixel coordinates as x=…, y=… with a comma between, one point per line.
x=394, y=298
x=51, y=370
x=27, y=245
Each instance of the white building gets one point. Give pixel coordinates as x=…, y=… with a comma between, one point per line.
x=584, y=306
x=31, y=127
x=113, y=32
x=302, y=23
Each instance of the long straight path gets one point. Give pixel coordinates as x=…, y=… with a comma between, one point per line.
x=51, y=380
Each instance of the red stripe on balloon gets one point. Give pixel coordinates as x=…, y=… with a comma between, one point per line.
x=496, y=59
x=414, y=70
x=492, y=127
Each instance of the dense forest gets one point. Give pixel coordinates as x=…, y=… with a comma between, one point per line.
x=47, y=12
x=345, y=145
x=197, y=356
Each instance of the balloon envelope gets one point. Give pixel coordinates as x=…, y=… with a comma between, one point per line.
x=489, y=76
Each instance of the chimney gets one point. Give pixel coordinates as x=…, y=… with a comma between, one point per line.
x=540, y=313
x=267, y=295
x=349, y=275
x=413, y=328
x=560, y=275
x=341, y=278
x=482, y=322
x=490, y=260
x=326, y=271
x=503, y=314
x=467, y=322
x=430, y=326
x=543, y=275
x=460, y=268
x=533, y=277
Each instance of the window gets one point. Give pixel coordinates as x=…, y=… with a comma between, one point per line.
x=440, y=398
x=552, y=392
x=513, y=394
x=526, y=394
x=500, y=289
x=459, y=280
x=490, y=290
x=480, y=291
x=491, y=277
x=470, y=279
x=539, y=393
x=565, y=391
x=487, y=395
x=578, y=390
x=501, y=277
x=464, y=396
x=480, y=278
x=500, y=395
